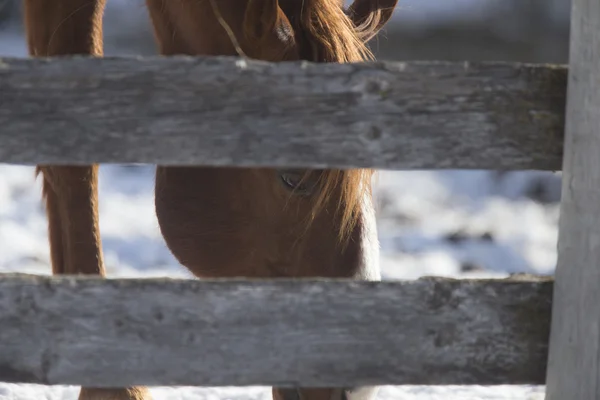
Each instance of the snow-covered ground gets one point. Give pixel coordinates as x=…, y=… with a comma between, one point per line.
x=34, y=392
x=451, y=223
x=448, y=223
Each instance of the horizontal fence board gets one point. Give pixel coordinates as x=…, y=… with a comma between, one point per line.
x=223, y=111
x=86, y=331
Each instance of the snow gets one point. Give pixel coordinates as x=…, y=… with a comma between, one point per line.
x=446, y=223
x=503, y=231
x=35, y=392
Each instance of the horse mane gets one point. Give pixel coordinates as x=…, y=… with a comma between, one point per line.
x=334, y=38
x=331, y=32
x=331, y=36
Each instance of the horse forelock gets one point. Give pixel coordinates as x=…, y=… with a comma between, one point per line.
x=325, y=33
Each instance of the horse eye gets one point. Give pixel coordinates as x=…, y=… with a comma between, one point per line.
x=298, y=181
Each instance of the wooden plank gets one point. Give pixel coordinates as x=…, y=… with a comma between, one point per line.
x=226, y=111
x=574, y=358
x=87, y=331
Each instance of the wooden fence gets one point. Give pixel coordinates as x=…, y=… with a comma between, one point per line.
x=223, y=111
x=100, y=332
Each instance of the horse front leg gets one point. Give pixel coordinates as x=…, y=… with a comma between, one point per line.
x=71, y=195
x=64, y=27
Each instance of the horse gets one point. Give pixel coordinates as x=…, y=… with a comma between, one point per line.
x=226, y=222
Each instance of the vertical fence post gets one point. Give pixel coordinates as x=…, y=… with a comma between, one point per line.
x=574, y=355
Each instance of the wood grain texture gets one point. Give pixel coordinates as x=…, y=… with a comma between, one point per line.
x=574, y=358
x=226, y=111
x=86, y=331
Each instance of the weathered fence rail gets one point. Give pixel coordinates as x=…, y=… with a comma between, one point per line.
x=90, y=331
x=226, y=111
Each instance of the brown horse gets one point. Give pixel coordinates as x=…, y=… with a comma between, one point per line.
x=226, y=222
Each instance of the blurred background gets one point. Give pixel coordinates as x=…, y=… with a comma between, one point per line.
x=448, y=223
